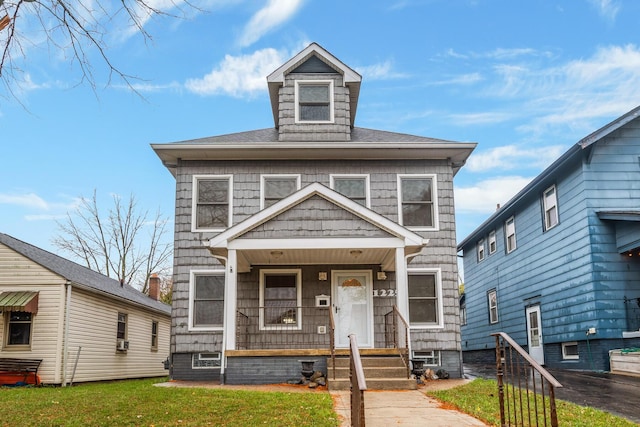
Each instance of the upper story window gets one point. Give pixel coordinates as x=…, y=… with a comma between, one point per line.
x=492, y=297
x=493, y=243
x=280, y=299
x=425, y=306
x=18, y=327
x=480, y=250
x=211, y=202
x=277, y=187
x=417, y=207
x=355, y=187
x=314, y=101
x=206, y=300
x=550, y=206
x=510, y=234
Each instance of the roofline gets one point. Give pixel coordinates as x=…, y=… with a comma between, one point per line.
x=610, y=127
x=119, y=298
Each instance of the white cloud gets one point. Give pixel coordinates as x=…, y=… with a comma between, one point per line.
x=607, y=8
x=29, y=200
x=273, y=14
x=485, y=196
x=239, y=75
x=488, y=117
x=380, y=71
x=509, y=157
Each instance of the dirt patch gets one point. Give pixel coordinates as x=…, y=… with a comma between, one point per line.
x=284, y=388
x=433, y=385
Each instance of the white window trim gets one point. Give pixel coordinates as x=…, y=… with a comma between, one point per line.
x=200, y=356
x=434, y=192
x=331, y=100
x=194, y=202
x=491, y=320
x=494, y=240
x=192, y=292
x=367, y=190
x=546, y=208
x=566, y=356
x=275, y=271
x=266, y=176
x=480, y=250
x=439, y=305
x=435, y=354
x=511, y=219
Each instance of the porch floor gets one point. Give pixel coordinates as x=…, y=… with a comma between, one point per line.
x=311, y=352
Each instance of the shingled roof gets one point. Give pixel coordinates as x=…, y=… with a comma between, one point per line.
x=83, y=277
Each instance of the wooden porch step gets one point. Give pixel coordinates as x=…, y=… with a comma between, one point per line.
x=370, y=361
x=376, y=384
x=371, y=372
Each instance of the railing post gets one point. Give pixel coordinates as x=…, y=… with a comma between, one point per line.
x=499, y=375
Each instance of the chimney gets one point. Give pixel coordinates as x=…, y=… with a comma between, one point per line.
x=154, y=287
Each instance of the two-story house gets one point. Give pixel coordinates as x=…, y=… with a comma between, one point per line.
x=291, y=238
x=558, y=266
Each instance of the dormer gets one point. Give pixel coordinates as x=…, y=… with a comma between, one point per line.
x=314, y=97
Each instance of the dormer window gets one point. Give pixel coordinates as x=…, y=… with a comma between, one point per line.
x=314, y=101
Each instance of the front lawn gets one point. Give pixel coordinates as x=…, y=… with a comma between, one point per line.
x=479, y=398
x=139, y=403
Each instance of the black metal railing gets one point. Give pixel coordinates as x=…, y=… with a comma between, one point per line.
x=332, y=342
x=526, y=390
x=396, y=335
x=265, y=328
x=358, y=383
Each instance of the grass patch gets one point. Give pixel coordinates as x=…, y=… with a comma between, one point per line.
x=479, y=398
x=138, y=403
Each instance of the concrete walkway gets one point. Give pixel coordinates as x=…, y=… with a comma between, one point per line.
x=401, y=408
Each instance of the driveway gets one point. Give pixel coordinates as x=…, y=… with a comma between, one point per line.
x=617, y=394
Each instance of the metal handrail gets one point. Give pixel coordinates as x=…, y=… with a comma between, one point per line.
x=332, y=341
x=399, y=324
x=358, y=383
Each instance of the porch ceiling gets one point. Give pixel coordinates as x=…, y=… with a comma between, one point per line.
x=382, y=256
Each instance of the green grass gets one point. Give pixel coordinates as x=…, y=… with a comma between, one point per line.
x=479, y=398
x=138, y=403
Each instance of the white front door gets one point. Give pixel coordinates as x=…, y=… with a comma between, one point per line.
x=534, y=334
x=352, y=307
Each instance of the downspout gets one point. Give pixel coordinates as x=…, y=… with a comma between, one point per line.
x=405, y=313
x=65, y=338
x=223, y=359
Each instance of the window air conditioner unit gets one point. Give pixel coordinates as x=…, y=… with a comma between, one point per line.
x=123, y=345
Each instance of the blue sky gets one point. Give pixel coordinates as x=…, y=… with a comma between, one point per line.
x=523, y=79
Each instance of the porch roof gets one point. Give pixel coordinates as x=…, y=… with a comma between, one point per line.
x=317, y=250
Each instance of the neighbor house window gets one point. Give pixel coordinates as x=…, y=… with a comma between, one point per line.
x=463, y=314
x=355, y=187
x=492, y=295
x=211, y=203
x=277, y=187
x=480, y=250
x=19, y=327
x=493, y=244
x=510, y=234
x=206, y=298
x=424, y=298
x=280, y=299
x=570, y=350
x=431, y=358
x=205, y=361
x=550, y=205
x=154, y=335
x=122, y=326
x=417, y=201
x=314, y=101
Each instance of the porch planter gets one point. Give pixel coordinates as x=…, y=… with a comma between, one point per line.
x=307, y=368
x=625, y=361
x=418, y=368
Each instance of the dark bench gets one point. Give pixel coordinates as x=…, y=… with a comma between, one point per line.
x=21, y=366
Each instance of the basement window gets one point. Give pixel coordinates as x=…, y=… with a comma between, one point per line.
x=205, y=361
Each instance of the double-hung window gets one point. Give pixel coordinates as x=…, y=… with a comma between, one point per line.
x=314, y=101
x=510, y=234
x=18, y=327
x=480, y=250
x=550, y=207
x=277, y=187
x=492, y=297
x=212, y=195
x=122, y=326
x=154, y=335
x=280, y=299
x=355, y=187
x=206, y=300
x=493, y=243
x=425, y=305
x=417, y=206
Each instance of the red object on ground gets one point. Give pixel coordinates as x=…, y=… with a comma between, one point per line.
x=18, y=378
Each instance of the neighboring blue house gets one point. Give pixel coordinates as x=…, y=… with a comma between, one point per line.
x=558, y=266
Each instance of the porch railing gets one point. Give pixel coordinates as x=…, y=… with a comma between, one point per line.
x=358, y=383
x=526, y=390
x=396, y=335
x=288, y=327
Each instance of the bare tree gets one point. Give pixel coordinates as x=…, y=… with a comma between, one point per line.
x=116, y=244
x=76, y=28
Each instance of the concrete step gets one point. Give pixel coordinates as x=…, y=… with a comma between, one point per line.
x=370, y=361
x=375, y=384
x=371, y=372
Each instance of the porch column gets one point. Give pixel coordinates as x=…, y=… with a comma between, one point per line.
x=402, y=285
x=231, y=300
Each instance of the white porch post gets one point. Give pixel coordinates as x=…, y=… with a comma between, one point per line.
x=402, y=285
x=230, y=299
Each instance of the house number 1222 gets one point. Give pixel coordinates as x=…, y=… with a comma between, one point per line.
x=384, y=292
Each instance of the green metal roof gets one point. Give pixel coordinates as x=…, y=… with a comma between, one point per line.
x=19, y=301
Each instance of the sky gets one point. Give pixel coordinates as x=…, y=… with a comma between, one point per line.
x=523, y=79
